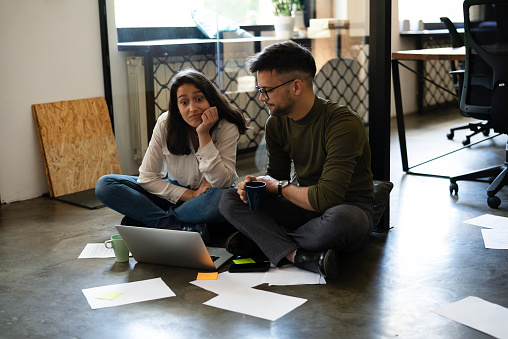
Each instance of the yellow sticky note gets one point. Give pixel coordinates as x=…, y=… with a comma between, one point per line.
x=244, y=261
x=108, y=295
x=207, y=276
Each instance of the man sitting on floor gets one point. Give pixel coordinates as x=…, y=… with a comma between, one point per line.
x=326, y=207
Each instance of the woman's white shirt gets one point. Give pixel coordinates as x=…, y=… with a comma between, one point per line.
x=214, y=163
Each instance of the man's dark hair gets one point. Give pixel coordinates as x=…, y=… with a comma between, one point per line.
x=284, y=58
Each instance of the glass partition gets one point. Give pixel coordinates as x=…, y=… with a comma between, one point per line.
x=157, y=38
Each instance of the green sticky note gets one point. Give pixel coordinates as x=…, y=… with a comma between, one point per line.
x=244, y=261
x=109, y=295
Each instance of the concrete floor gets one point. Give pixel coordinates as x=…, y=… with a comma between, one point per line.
x=429, y=258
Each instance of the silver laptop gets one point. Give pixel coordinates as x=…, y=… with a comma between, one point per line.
x=174, y=248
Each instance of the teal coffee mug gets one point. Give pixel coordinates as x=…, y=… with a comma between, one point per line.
x=118, y=245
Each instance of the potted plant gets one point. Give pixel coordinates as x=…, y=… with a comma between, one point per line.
x=284, y=23
x=283, y=7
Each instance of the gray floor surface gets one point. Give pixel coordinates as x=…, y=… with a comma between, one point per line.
x=389, y=289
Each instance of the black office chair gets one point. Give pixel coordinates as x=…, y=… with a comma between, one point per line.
x=485, y=86
x=457, y=76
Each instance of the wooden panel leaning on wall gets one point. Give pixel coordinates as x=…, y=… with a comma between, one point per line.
x=77, y=144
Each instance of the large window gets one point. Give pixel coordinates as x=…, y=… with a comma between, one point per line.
x=431, y=10
x=152, y=13
x=177, y=13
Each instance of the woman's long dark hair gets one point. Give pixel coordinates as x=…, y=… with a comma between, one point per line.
x=178, y=130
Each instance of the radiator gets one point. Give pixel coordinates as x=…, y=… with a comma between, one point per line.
x=137, y=107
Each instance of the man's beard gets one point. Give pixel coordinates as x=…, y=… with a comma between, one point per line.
x=280, y=111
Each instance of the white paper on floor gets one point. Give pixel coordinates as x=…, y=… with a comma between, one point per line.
x=496, y=234
x=256, y=303
x=97, y=250
x=227, y=282
x=129, y=293
x=479, y=314
x=495, y=238
x=489, y=221
x=235, y=292
x=292, y=275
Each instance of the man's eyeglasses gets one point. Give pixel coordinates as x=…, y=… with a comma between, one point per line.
x=265, y=92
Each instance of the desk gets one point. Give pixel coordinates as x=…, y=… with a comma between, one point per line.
x=146, y=46
x=428, y=34
x=446, y=53
x=431, y=38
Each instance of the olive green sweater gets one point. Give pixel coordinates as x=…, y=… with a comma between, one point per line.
x=330, y=152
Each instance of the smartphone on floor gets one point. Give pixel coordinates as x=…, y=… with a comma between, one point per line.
x=250, y=267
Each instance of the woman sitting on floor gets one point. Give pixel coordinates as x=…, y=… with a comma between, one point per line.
x=190, y=159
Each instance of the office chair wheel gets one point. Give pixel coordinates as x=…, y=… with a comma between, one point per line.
x=450, y=135
x=486, y=132
x=467, y=141
x=454, y=188
x=494, y=202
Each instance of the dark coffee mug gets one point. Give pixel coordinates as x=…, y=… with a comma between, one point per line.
x=256, y=191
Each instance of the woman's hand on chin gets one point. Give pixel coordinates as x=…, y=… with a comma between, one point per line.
x=209, y=118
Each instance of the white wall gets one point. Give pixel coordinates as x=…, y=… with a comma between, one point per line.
x=50, y=51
